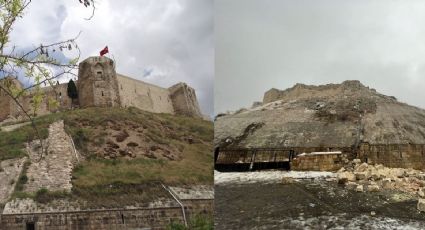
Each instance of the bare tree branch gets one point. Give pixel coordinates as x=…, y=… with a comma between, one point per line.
x=39, y=64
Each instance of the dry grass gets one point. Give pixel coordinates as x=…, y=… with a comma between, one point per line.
x=115, y=182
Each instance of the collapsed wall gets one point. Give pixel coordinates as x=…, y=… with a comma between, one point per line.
x=377, y=127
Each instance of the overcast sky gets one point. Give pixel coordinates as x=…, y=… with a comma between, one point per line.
x=157, y=41
x=277, y=43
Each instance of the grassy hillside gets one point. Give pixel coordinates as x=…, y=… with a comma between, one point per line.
x=174, y=150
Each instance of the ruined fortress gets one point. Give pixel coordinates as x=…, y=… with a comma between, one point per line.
x=297, y=126
x=99, y=85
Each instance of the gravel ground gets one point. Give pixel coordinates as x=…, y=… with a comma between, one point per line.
x=309, y=204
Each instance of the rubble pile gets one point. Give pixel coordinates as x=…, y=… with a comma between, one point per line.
x=363, y=177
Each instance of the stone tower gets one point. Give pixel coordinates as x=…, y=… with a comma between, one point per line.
x=7, y=105
x=184, y=100
x=97, y=83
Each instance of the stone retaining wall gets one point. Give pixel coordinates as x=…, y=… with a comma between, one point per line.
x=198, y=207
x=154, y=218
x=149, y=218
x=318, y=162
x=393, y=155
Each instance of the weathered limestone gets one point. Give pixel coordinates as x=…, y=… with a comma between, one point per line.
x=7, y=106
x=54, y=170
x=99, y=85
x=377, y=127
x=9, y=175
x=372, y=188
x=421, y=205
x=374, y=178
x=359, y=188
x=62, y=214
x=344, y=177
x=319, y=161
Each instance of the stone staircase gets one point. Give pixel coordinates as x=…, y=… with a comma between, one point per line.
x=54, y=170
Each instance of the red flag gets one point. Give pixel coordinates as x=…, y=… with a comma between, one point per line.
x=104, y=51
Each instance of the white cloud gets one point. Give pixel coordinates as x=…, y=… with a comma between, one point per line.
x=277, y=43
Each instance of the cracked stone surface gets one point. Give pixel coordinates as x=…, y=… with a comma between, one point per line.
x=326, y=115
x=54, y=170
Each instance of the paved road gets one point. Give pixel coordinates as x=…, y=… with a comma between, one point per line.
x=312, y=204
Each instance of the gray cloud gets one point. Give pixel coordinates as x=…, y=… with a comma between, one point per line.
x=173, y=40
x=277, y=43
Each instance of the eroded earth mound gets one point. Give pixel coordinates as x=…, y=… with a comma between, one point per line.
x=327, y=115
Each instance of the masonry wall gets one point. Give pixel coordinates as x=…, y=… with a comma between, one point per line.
x=57, y=93
x=184, y=100
x=100, y=86
x=271, y=95
x=394, y=155
x=7, y=105
x=150, y=218
x=4, y=105
x=143, y=95
x=198, y=207
x=97, y=83
x=318, y=162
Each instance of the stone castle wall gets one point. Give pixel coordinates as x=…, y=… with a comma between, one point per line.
x=393, y=155
x=184, y=100
x=7, y=105
x=150, y=218
x=318, y=162
x=144, y=95
x=99, y=85
x=137, y=218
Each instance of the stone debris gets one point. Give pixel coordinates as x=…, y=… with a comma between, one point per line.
x=287, y=180
x=344, y=177
x=421, y=205
x=421, y=192
x=373, y=178
x=373, y=188
x=359, y=188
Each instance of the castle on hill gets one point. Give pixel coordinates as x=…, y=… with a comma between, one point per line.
x=99, y=85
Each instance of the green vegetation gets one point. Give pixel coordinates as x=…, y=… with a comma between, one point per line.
x=45, y=196
x=194, y=168
x=23, y=179
x=72, y=90
x=113, y=182
x=197, y=222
